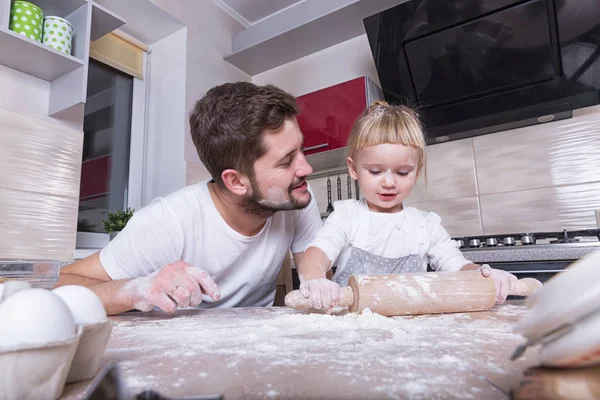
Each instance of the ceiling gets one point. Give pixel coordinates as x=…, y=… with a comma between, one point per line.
x=249, y=12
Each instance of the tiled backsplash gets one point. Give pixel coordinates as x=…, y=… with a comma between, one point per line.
x=539, y=178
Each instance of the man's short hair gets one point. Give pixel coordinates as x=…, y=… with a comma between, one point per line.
x=228, y=123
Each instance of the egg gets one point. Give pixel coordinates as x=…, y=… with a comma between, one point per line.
x=86, y=307
x=34, y=317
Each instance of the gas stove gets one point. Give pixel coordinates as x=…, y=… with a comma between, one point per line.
x=581, y=237
x=538, y=255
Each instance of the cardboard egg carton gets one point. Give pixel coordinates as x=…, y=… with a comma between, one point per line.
x=41, y=371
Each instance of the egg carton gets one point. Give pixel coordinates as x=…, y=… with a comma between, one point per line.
x=88, y=358
x=40, y=372
x=37, y=372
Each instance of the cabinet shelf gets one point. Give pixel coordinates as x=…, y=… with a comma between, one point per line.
x=103, y=21
x=34, y=58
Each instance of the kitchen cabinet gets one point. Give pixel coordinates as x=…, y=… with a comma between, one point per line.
x=326, y=117
x=65, y=73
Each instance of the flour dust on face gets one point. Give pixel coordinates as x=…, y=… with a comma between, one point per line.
x=279, y=182
x=386, y=174
x=276, y=198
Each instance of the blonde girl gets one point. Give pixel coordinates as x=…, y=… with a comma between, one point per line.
x=377, y=234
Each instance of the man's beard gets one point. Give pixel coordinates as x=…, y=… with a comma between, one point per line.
x=255, y=203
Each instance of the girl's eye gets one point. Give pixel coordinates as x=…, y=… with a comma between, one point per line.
x=374, y=172
x=402, y=173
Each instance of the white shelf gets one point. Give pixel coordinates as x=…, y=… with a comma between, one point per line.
x=34, y=58
x=59, y=8
x=300, y=30
x=103, y=21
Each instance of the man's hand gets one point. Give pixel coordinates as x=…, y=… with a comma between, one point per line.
x=174, y=285
x=323, y=293
x=504, y=281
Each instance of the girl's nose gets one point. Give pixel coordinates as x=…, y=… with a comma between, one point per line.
x=388, y=179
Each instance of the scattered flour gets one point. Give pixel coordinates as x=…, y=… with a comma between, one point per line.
x=279, y=353
x=423, y=281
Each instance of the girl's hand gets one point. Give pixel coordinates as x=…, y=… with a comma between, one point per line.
x=323, y=293
x=504, y=281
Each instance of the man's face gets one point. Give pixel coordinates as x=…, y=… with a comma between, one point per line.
x=280, y=175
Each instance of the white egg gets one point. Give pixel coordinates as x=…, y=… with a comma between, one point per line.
x=84, y=304
x=34, y=317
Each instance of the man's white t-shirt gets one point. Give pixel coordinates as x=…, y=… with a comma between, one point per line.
x=187, y=226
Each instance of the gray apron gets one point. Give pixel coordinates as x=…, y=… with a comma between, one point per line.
x=363, y=262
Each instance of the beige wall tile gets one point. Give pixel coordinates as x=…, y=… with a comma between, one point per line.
x=546, y=209
x=558, y=153
x=460, y=216
x=450, y=172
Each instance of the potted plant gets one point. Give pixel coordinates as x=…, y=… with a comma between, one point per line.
x=117, y=221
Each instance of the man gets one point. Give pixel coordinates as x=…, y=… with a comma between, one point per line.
x=225, y=238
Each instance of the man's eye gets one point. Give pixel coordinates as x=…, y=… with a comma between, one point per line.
x=287, y=164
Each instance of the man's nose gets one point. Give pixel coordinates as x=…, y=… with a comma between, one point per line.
x=304, y=168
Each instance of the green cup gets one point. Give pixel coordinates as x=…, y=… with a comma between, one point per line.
x=26, y=19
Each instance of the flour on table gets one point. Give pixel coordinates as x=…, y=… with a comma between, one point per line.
x=392, y=356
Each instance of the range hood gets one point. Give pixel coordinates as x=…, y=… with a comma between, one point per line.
x=473, y=67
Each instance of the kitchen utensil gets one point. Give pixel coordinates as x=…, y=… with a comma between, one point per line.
x=552, y=383
x=38, y=273
x=339, y=187
x=26, y=19
x=349, y=181
x=329, y=205
x=565, y=316
x=58, y=34
x=418, y=293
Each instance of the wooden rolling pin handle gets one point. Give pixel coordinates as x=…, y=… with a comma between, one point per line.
x=525, y=287
x=295, y=300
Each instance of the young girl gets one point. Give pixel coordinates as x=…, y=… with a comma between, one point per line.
x=377, y=234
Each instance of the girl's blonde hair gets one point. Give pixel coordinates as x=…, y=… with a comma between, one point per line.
x=382, y=123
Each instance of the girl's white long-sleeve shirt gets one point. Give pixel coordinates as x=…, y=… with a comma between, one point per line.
x=353, y=237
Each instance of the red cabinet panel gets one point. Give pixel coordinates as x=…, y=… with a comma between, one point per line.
x=327, y=115
x=95, y=174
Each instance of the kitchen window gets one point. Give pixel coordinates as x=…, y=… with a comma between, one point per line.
x=106, y=146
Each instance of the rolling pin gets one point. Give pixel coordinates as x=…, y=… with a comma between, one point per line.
x=418, y=293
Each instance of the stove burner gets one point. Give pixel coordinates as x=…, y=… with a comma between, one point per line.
x=491, y=242
x=527, y=239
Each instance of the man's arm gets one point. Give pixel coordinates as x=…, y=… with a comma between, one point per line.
x=174, y=285
x=90, y=273
x=86, y=272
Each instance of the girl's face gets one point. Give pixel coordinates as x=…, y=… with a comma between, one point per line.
x=386, y=174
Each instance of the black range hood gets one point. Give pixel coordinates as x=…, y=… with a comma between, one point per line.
x=473, y=67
